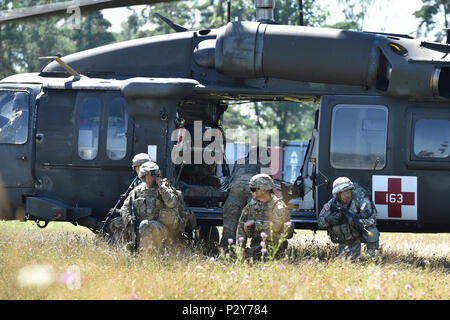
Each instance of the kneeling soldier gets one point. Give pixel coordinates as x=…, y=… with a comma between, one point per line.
x=350, y=219
x=157, y=208
x=265, y=219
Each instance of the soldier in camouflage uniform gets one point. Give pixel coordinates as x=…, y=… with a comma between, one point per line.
x=265, y=218
x=346, y=231
x=158, y=207
x=238, y=196
x=116, y=221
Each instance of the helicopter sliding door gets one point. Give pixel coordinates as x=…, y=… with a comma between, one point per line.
x=353, y=140
x=83, y=152
x=407, y=142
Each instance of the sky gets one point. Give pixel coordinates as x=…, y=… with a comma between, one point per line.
x=394, y=16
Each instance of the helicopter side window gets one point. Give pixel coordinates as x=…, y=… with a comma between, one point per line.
x=88, y=131
x=358, y=136
x=116, y=143
x=13, y=117
x=431, y=138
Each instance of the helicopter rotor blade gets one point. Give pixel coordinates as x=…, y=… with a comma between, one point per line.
x=67, y=6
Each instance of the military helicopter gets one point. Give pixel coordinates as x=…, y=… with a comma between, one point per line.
x=384, y=119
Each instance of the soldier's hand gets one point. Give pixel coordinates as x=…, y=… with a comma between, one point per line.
x=334, y=218
x=113, y=213
x=158, y=181
x=248, y=225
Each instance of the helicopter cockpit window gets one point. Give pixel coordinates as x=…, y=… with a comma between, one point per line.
x=13, y=117
x=89, y=129
x=431, y=138
x=358, y=136
x=116, y=143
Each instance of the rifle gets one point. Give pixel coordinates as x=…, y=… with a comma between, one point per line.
x=179, y=174
x=351, y=218
x=112, y=213
x=134, y=227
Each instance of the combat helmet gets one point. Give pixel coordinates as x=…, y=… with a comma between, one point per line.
x=139, y=159
x=261, y=181
x=148, y=167
x=342, y=184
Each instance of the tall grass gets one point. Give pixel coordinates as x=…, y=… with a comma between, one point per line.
x=67, y=262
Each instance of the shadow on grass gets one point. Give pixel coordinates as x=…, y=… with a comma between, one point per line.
x=313, y=250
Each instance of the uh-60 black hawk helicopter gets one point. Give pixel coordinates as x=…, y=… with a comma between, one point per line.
x=384, y=117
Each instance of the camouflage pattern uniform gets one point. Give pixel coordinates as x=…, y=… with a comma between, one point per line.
x=271, y=218
x=238, y=197
x=159, y=214
x=342, y=230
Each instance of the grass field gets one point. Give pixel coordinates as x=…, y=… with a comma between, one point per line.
x=67, y=262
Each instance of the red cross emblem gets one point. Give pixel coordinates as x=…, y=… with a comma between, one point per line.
x=394, y=198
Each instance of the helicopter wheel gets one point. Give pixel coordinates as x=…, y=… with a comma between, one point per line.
x=40, y=225
x=209, y=238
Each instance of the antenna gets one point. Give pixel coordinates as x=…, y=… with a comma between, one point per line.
x=264, y=10
x=171, y=24
x=300, y=3
x=62, y=64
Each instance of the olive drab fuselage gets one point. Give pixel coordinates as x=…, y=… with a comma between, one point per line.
x=84, y=128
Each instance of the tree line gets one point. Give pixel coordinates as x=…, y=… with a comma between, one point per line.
x=24, y=41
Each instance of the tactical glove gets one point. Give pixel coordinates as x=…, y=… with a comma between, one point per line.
x=334, y=218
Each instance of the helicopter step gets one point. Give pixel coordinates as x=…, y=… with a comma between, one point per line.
x=45, y=209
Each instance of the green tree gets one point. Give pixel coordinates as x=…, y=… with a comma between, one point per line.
x=22, y=42
x=92, y=32
x=429, y=15
x=354, y=14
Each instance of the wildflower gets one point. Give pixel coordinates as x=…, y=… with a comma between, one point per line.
x=134, y=296
x=348, y=290
x=263, y=234
x=211, y=259
x=282, y=267
x=262, y=243
x=407, y=287
x=393, y=274
x=70, y=279
x=199, y=267
x=241, y=239
x=358, y=290
x=230, y=241
x=263, y=250
x=426, y=261
x=288, y=224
